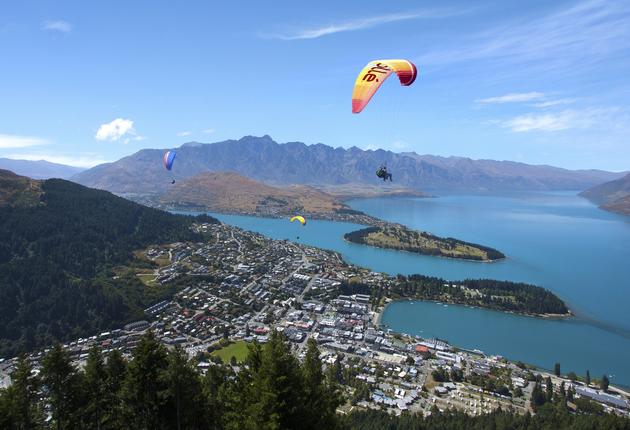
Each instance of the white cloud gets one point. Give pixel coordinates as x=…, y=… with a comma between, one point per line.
x=552, y=103
x=60, y=26
x=564, y=120
x=567, y=39
x=209, y=130
x=84, y=160
x=13, y=141
x=513, y=98
x=184, y=133
x=534, y=122
x=361, y=24
x=116, y=129
x=399, y=145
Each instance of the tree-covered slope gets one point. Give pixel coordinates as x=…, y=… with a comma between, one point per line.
x=56, y=256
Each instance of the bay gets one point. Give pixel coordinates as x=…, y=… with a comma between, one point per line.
x=556, y=240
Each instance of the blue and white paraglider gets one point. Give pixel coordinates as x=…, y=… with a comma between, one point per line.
x=167, y=159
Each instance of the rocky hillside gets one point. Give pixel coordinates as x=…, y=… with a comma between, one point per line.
x=262, y=159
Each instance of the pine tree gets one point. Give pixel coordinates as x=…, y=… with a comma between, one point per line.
x=604, y=383
x=548, y=389
x=219, y=396
x=115, y=370
x=588, y=377
x=6, y=410
x=274, y=397
x=22, y=400
x=96, y=390
x=320, y=398
x=143, y=388
x=184, y=391
x=63, y=386
x=538, y=398
x=556, y=369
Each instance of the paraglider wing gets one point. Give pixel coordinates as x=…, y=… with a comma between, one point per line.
x=168, y=158
x=299, y=218
x=374, y=74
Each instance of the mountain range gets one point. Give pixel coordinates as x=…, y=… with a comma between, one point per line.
x=40, y=169
x=263, y=159
x=613, y=196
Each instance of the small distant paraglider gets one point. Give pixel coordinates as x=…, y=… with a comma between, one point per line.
x=167, y=159
x=374, y=74
x=299, y=218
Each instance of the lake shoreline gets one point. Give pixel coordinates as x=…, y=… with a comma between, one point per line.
x=617, y=388
x=359, y=218
x=498, y=260
x=547, y=316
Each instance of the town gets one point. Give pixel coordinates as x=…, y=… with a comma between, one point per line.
x=238, y=286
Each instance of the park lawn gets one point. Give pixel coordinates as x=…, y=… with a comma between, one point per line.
x=237, y=349
x=147, y=279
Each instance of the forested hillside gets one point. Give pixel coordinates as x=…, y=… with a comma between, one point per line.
x=56, y=256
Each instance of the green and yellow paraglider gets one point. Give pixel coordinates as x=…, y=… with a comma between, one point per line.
x=299, y=218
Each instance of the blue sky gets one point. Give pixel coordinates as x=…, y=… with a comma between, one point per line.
x=539, y=82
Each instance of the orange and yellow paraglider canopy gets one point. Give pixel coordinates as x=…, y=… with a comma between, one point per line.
x=374, y=74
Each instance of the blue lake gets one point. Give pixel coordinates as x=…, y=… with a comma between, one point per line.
x=556, y=240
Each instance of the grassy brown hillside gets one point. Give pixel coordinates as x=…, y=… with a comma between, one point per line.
x=396, y=236
x=231, y=192
x=612, y=196
x=18, y=191
x=621, y=206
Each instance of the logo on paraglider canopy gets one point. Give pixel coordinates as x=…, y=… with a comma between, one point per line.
x=379, y=68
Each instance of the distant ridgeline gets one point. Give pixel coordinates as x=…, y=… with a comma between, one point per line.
x=487, y=293
x=395, y=236
x=60, y=242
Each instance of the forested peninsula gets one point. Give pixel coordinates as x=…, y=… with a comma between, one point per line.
x=506, y=296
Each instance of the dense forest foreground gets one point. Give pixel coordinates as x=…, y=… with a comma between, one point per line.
x=159, y=388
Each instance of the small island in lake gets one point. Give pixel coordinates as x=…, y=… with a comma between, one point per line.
x=396, y=236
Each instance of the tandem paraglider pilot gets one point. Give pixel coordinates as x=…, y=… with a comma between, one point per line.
x=384, y=174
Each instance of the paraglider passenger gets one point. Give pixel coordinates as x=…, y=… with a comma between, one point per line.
x=384, y=174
